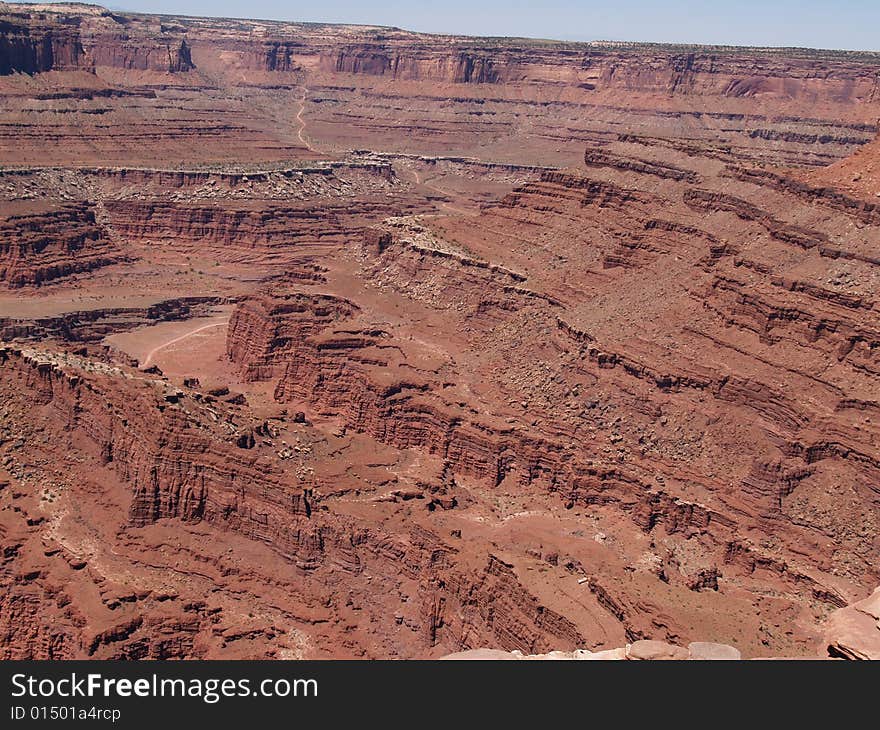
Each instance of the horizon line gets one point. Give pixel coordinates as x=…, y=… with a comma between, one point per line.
x=544, y=39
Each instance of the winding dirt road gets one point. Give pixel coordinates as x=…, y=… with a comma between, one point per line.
x=177, y=339
x=302, y=122
x=445, y=194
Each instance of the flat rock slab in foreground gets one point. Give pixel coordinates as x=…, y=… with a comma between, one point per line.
x=854, y=632
x=639, y=651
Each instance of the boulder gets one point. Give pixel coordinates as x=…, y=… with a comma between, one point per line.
x=481, y=654
x=853, y=632
x=656, y=650
x=708, y=650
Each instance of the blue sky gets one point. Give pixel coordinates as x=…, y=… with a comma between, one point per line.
x=850, y=24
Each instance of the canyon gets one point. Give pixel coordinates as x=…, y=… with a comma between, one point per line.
x=323, y=341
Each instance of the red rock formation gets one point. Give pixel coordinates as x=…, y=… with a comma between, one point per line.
x=164, y=54
x=36, y=40
x=178, y=466
x=798, y=448
x=447, y=343
x=39, y=244
x=92, y=325
x=269, y=229
x=766, y=99
x=32, y=43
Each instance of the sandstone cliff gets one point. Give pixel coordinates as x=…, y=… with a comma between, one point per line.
x=40, y=244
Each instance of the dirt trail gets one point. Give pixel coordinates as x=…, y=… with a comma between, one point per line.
x=440, y=191
x=177, y=339
x=302, y=123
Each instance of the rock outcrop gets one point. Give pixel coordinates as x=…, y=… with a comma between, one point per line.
x=853, y=632
x=39, y=244
x=145, y=432
x=68, y=37
x=35, y=43
x=644, y=650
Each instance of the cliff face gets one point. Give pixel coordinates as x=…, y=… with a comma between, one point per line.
x=180, y=463
x=266, y=230
x=404, y=92
x=37, y=38
x=71, y=38
x=775, y=294
x=171, y=54
x=42, y=244
x=705, y=72
x=851, y=633
x=32, y=45
x=416, y=64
